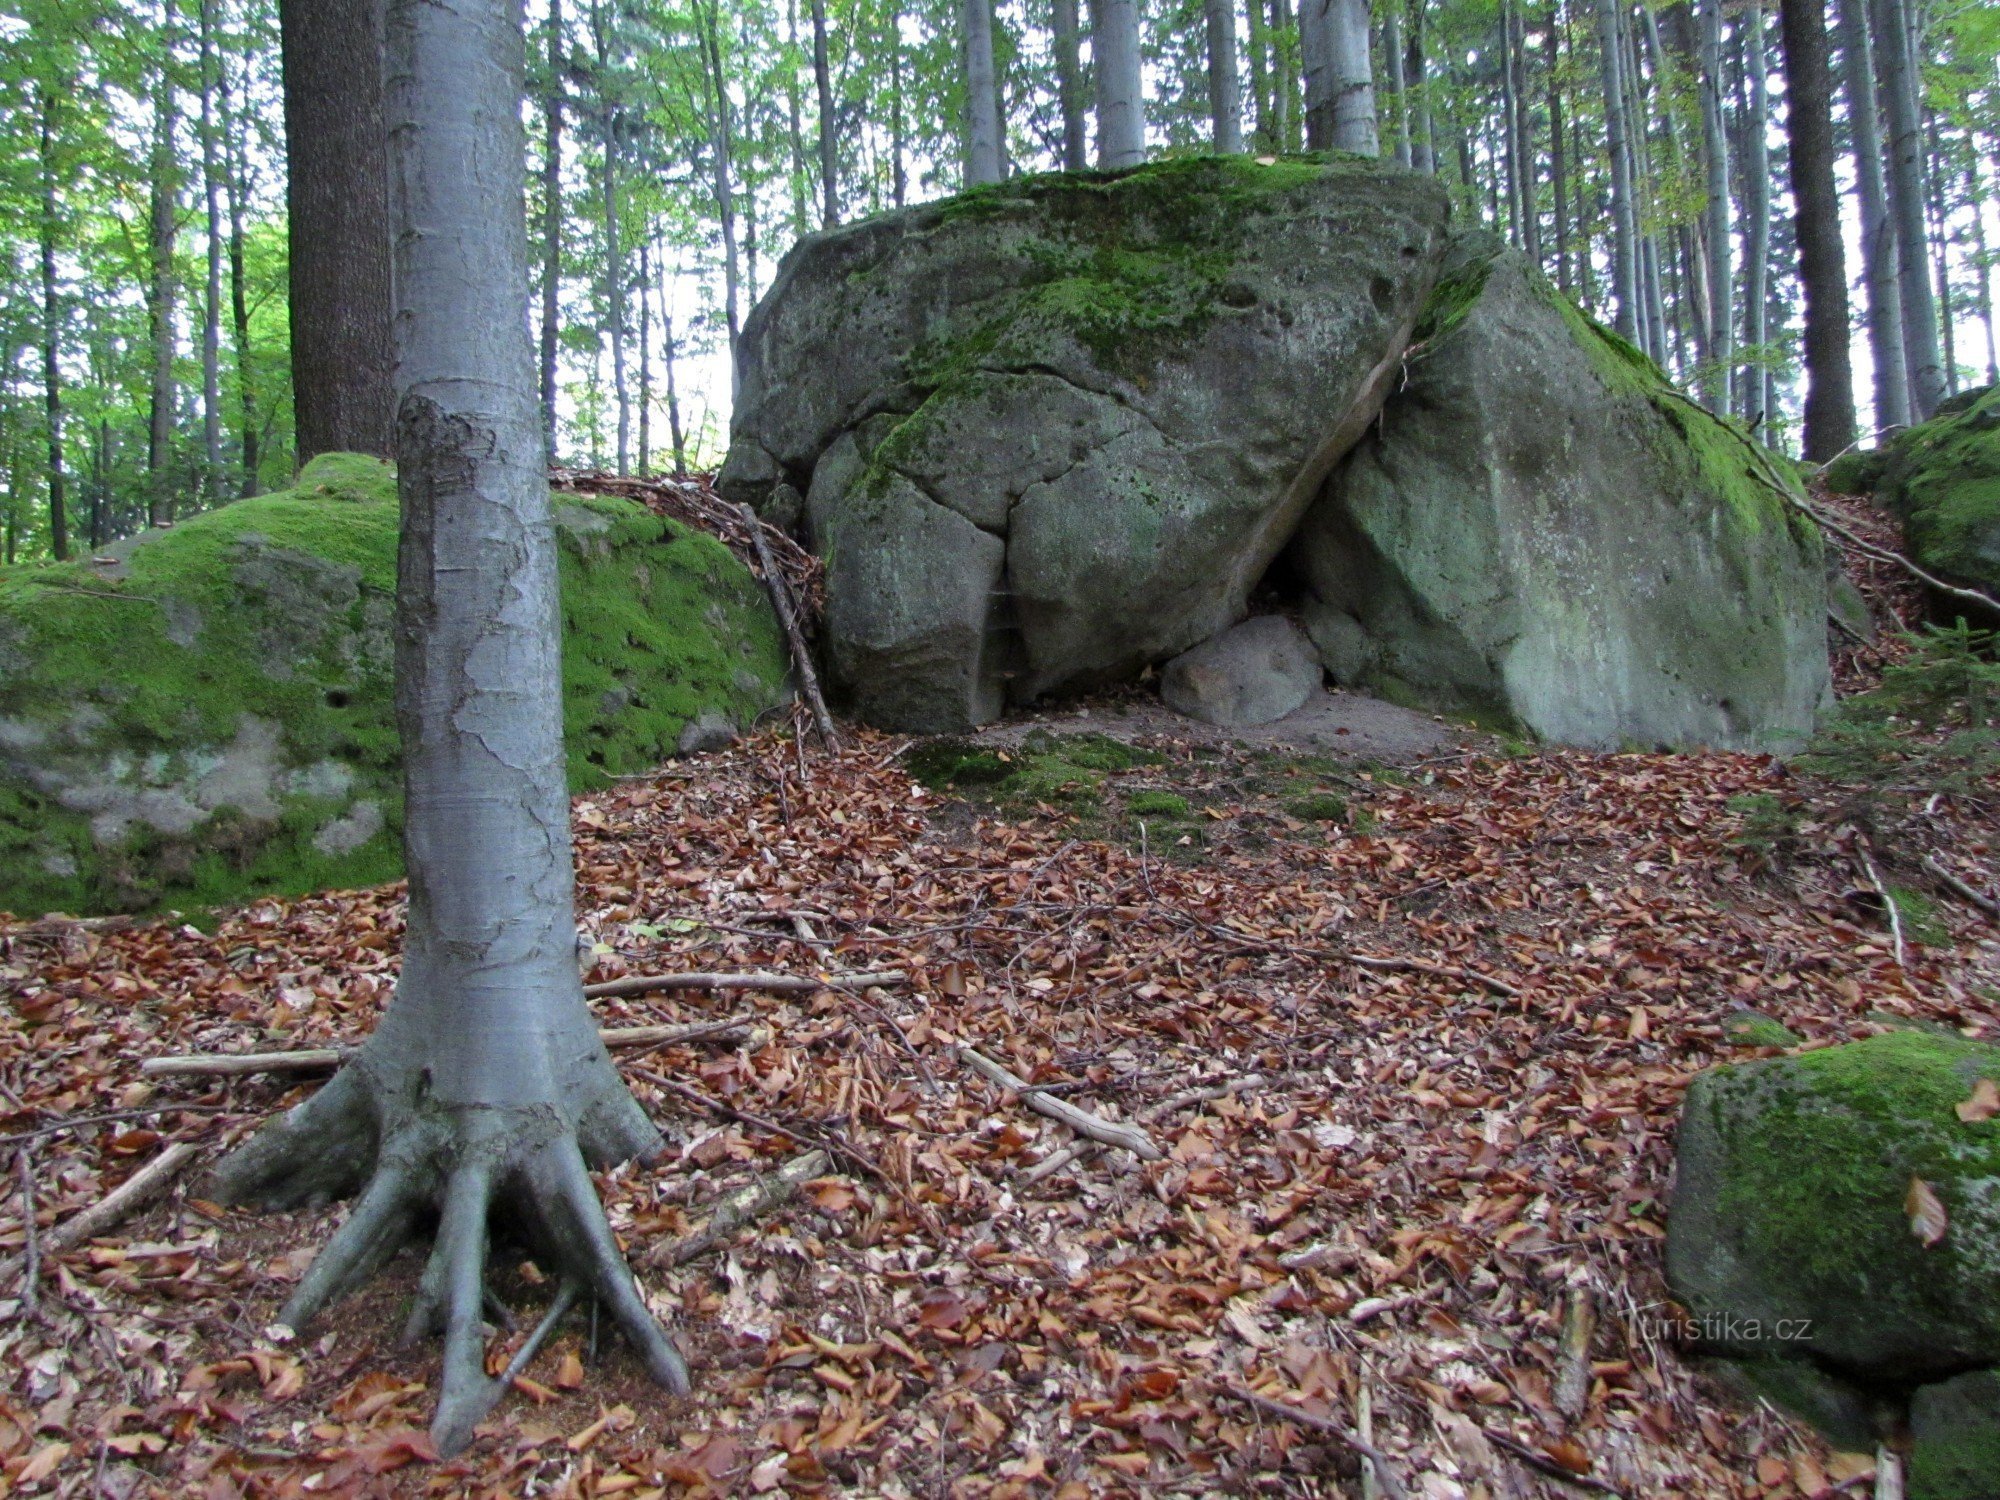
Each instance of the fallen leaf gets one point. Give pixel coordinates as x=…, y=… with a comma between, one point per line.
x=1983, y=1105
x=1926, y=1211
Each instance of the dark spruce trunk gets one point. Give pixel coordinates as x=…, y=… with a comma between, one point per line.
x=1829, y=414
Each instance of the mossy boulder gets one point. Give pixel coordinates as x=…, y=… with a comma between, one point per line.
x=1955, y=1439
x=207, y=714
x=1540, y=531
x=1942, y=480
x=1789, y=1236
x=1055, y=429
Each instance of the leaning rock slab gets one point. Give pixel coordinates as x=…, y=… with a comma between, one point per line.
x=1250, y=674
x=1788, y=1236
x=1541, y=532
x=1054, y=430
x=208, y=716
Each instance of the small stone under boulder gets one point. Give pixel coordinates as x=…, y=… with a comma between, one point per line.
x=1250, y=674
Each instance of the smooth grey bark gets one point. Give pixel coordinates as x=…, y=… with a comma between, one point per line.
x=1392, y=63
x=484, y=1088
x=1940, y=248
x=162, y=210
x=795, y=123
x=1719, y=313
x=1559, y=154
x=1975, y=195
x=1334, y=44
x=1878, y=230
x=1225, y=93
x=1624, y=223
x=899, y=176
x=1755, y=129
x=829, y=130
x=1829, y=404
x=51, y=329
x=645, y=283
x=552, y=224
x=715, y=87
x=1069, y=88
x=1260, y=76
x=1895, y=68
x=211, y=312
x=1286, y=47
x=1423, y=135
x=1638, y=142
x=236, y=179
x=1121, y=103
x=614, y=245
x=982, y=105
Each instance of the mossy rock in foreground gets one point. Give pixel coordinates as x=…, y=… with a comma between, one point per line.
x=1789, y=1235
x=1942, y=479
x=1955, y=1439
x=209, y=717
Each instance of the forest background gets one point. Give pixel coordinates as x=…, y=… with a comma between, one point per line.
x=1646, y=156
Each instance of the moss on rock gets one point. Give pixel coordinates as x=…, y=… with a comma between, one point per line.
x=209, y=716
x=1789, y=1234
x=1942, y=479
x=1955, y=1439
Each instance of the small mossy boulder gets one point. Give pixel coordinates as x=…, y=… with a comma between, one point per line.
x=1789, y=1236
x=1955, y=1439
x=206, y=714
x=1942, y=480
x=1540, y=532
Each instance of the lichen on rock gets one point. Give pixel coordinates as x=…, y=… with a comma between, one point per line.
x=207, y=713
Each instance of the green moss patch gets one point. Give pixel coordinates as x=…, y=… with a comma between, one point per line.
x=1942, y=478
x=1066, y=774
x=210, y=716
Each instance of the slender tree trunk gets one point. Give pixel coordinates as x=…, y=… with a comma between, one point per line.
x=1423, y=134
x=721, y=158
x=1069, y=88
x=1878, y=229
x=829, y=129
x=1715, y=161
x=1975, y=195
x=165, y=205
x=211, y=313
x=1558, y=152
x=1334, y=42
x=1624, y=233
x=899, y=177
x=1524, y=141
x=1896, y=68
x=1225, y=98
x=645, y=353
x=982, y=154
x=337, y=198
x=1285, y=44
x=614, y=245
x=552, y=225
x=1121, y=103
x=1940, y=243
x=1829, y=414
x=236, y=178
x=669, y=354
x=1260, y=75
x=1756, y=211
x=51, y=330
x=1392, y=61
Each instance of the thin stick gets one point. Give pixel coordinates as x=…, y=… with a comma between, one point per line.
x=1392, y=1487
x=565, y=1299
x=319, y=1059
x=1543, y=1464
x=781, y=600
x=1573, y=1384
x=84, y=1122
x=777, y=984
x=1888, y=903
x=1971, y=596
x=1419, y=966
x=135, y=1192
x=1961, y=889
x=1128, y=1137
x=1049, y=1165
x=31, y=1251
x=1364, y=1424
x=746, y=1204
x=759, y=1122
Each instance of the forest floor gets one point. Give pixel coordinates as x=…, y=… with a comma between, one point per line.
x=1411, y=1037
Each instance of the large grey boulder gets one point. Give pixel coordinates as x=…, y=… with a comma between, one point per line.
x=1054, y=430
x=1540, y=532
x=1250, y=674
x=1790, y=1234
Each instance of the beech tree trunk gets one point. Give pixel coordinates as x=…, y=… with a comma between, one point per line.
x=1399, y=99
x=1121, y=104
x=1285, y=46
x=1340, y=80
x=1829, y=414
x=552, y=224
x=1895, y=66
x=1624, y=224
x=236, y=178
x=211, y=310
x=829, y=135
x=1423, y=136
x=1878, y=229
x=485, y=1085
x=1069, y=88
x=982, y=154
x=1225, y=94
x=1715, y=162
x=614, y=245
x=51, y=330
x=337, y=200
x=1756, y=212
x=716, y=91
x=161, y=236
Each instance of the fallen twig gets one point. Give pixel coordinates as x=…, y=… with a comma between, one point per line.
x=1971, y=596
x=1110, y=1133
x=1049, y=1165
x=1573, y=1383
x=781, y=601
x=1392, y=1487
x=1390, y=965
x=1888, y=903
x=778, y=984
x=319, y=1059
x=759, y=1122
x=136, y=1191
x=1541, y=1463
x=31, y=1250
x=744, y=1205
x=1965, y=892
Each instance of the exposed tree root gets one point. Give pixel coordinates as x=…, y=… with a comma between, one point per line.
x=412, y=1156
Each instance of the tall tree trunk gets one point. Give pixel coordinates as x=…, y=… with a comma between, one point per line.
x=1121, y=103
x=669, y=354
x=164, y=206
x=552, y=225
x=1225, y=97
x=899, y=177
x=721, y=159
x=645, y=352
x=1756, y=211
x=211, y=312
x=1940, y=247
x=1975, y=195
x=1069, y=88
x=829, y=130
x=1423, y=135
x=1715, y=161
x=1524, y=141
x=982, y=123
x=236, y=177
x=484, y=1083
x=1260, y=76
x=52, y=412
x=1334, y=42
x=1878, y=228
x=1558, y=150
x=1392, y=61
x=614, y=245
x=1285, y=43
x=337, y=197
x=1624, y=227
x=1829, y=424
x=1895, y=66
